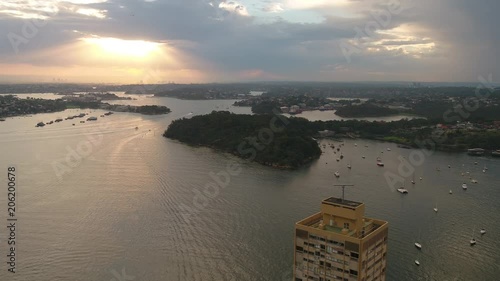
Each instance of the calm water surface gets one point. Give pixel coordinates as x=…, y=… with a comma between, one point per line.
x=104, y=198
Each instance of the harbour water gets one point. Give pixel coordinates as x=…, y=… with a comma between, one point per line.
x=104, y=198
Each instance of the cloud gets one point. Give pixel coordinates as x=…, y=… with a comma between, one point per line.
x=234, y=7
x=273, y=8
x=229, y=40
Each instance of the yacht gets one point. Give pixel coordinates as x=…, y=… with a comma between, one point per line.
x=379, y=162
x=472, y=241
x=402, y=190
x=475, y=151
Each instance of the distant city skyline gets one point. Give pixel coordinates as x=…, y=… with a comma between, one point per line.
x=203, y=41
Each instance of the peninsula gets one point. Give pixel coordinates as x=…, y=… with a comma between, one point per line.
x=11, y=106
x=266, y=139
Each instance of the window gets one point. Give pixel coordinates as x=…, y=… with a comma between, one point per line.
x=346, y=225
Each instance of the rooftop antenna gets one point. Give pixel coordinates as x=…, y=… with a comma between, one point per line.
x=343, y=188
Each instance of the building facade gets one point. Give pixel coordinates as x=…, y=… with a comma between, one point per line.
x=340, y=243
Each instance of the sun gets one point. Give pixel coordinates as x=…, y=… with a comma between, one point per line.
x=121, y=47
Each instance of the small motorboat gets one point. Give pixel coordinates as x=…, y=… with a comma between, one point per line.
x=417, y=262
x=418, y=245
x=337, y=174
x=482, y=231
x=472, y=241
x=40, y=124
x=451, y=192
x=402, y=190
x=464, y=185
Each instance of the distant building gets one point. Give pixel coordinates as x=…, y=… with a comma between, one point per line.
x=340, y=243
x=284, y=109
x=326, y=133
x=295, y=109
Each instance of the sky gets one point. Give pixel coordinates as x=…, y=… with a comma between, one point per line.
x=198, y=41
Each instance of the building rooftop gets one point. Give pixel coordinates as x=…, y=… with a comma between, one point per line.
x=342, y=202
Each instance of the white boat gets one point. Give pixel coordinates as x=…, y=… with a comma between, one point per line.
x=482, y=231
x=349, y=166
x=464, y=185
x=421, y=178
x=337, y=174
x=402, y=190
x=451, y=192
x=388, y=149
x=472, y=240
x=355, y=144
x=417, y=262
x=474, y=181
x=484, y=170
x=435, y=209
x=379, y=162
x=418, y=245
